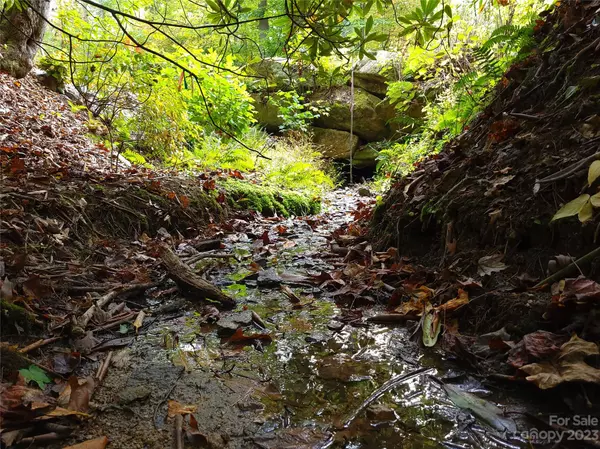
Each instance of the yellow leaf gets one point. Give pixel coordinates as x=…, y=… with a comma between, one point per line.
x=586, y=212
x=593, y=172
x=572, y=207
x=595, y=200
x=138, y=321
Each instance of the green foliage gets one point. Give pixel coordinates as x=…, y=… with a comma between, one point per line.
x=295, y=114
x=35, y=374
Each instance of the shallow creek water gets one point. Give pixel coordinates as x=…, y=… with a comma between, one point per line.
x=308, y=388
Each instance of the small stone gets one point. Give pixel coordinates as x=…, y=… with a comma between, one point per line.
x=131, y=394
x=363, y=191
x=380, y=413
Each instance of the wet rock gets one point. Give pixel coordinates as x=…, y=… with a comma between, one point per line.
x=380, y=413
x=250, y=406
x=229, y=323
x=132, y=394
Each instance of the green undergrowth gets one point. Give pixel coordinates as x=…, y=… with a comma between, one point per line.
x=269, y=200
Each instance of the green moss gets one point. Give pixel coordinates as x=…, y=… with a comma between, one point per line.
x=13, y=314
x=268, y=200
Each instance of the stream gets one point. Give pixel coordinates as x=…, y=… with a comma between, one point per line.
x=321, y=377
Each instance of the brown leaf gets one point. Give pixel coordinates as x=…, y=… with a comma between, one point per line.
x=453, y=304
x=185, y=201
x=81, y=392
x=535, y=346
x=96, y=443
x=175, y=408
x=239, y=338
x=568, y=366
x=581, y=289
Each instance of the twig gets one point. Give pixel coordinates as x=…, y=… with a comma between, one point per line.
x=110, y=296
x=105, y=365
x=38, y=344
x=120, y=321
x=569, y=268
x=179, y=432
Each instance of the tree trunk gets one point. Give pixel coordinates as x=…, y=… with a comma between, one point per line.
x=21, y=32
x=263, y=24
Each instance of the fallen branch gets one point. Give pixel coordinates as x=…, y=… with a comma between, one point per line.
x=561, y=274
x=110, y=296
x=190, y=284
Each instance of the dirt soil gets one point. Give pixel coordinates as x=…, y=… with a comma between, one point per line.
x=494, y=189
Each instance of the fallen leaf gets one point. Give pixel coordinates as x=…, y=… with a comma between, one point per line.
x=185, y=201
x=239, y=338
x=568, y=366
x=431, y=327
x=535, y=346
x=96, y=443
x=481, y=408
x=175, y=408
x=66, y=363
x=581, y=289
x=139, y=321
x=453, y=304
x=490, y=264
x=81, y=392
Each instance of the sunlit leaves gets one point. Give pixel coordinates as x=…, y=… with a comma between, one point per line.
x=579, y=206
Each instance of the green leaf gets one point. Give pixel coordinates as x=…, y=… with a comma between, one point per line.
x=35, y=374
x=595, y=200
x=123, y=328
x=431, y=328
x=448, y=11
x=593, y=172
x=481, y=408
x=572, y=207
x=369, y=25
x=586, y=212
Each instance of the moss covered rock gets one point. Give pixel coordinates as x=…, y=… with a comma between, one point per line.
x=270, y=201
x=370, y=115
x=333, y=143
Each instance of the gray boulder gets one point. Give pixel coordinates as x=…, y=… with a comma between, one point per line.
x=334, y=144
x=373, y=75
x=370, y=113
x=277, y=74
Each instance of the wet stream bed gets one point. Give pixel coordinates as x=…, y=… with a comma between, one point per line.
x=295, y=371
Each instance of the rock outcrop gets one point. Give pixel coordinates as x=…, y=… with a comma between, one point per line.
x=370, y=113
x=374, y=75
x=334, y=144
